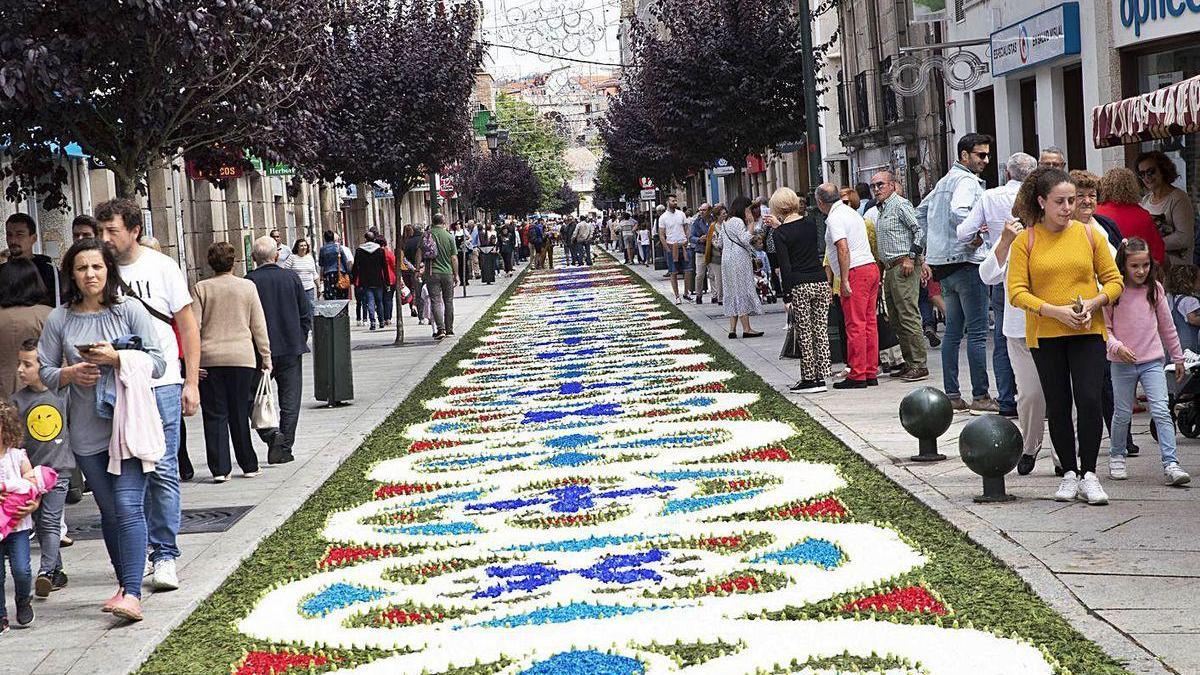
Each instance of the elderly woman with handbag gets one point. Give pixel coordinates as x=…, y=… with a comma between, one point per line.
x=233, y=328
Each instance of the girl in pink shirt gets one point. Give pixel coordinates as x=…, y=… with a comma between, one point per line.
x=1139, y=326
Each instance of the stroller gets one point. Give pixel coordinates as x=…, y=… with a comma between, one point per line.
x=1184, y=397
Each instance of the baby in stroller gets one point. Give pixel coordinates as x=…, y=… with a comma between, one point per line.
x=1184, y=399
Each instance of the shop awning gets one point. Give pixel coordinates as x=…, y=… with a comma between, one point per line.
x=1166, y=112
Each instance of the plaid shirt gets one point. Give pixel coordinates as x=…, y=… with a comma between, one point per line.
x=897, y=232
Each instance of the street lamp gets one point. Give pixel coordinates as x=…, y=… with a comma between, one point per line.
x=502, y=137
x=493, y=137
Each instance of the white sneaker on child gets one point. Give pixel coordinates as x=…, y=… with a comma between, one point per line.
x=1090, y=490
x=1173, y=475
x=1116, y=467
x=1068, y=488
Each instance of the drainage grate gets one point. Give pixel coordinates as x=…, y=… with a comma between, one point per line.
x=195, y=521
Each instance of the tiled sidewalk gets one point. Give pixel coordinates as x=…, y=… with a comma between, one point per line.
x=70, y=634
x=1126, y=575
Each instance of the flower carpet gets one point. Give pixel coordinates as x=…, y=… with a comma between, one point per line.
x=588, y=485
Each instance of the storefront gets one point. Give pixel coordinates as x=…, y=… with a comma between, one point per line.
x=1160, y=88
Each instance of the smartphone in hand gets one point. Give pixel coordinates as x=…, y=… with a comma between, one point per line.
x=83, y=349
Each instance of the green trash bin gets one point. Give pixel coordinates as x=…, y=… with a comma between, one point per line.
x=333, y=372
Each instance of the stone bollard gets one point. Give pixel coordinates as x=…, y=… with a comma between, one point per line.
x=926, y=413
x=991, y=446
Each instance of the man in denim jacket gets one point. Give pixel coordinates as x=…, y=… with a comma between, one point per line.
x=956, y=266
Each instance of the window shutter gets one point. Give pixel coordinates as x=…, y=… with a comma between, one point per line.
x=960, y=11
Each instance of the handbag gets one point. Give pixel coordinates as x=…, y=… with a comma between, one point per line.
x=791, y=341
x=264, y=412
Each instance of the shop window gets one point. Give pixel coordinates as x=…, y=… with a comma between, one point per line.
x=862, y=107
x=1029, y=135
x=1074, y=116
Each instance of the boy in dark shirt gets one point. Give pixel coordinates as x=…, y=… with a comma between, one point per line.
x=44, y=416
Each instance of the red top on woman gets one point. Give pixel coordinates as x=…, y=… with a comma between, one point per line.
x=1134, y=221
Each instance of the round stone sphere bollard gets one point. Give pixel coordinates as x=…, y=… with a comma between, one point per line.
x=991, y=447
x=926, y=413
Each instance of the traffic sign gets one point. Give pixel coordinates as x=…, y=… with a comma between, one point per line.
x=648, y=195
x=647, y=183
x=723, y=168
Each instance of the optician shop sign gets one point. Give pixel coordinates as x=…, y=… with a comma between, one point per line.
x=1038, y=39
x=1141, y=20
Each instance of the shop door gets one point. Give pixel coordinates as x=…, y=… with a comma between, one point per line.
x=1029, y=135
x=985, y=123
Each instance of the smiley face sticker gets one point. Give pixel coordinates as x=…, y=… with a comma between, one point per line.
x=44, y=422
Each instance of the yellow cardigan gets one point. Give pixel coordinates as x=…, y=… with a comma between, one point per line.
x=1063, y=266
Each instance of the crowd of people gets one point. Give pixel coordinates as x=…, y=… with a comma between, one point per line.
x=99, y=367
x=1088, y=282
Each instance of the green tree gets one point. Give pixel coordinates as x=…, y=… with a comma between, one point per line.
x=534, y=138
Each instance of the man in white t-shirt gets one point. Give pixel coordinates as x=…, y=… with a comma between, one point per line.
x=159, y=284
x=852, y=261
x=673, y=236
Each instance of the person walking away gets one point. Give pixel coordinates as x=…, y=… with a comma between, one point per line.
x=20, y=232
x=1119, y=195
x=1031, y=403
x=567, y=232
x=956, y=267
x=43, y=415
x=673, y=238
x=443, y=278
x=21, y=316
x=335, y=266
x=1171, y=208
x=289, y=321
x=1185, y=306
x=389, y=281
x=1140, y=327
x=737, y=270
x=853, y=264
x=93, y=315
x=643, y=238
x=979, y=229
x=629, y=234
x=233, y=328
x=157, y=282
x=697, y=244
x=369, y=274
x=900, y=241
x=537, y=241
x=806, y=293
x=583, y=242
x=1053, y=269
x=15, y=467
x=304, y=265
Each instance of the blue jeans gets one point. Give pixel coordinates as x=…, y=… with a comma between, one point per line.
x=373, y=297
x=966, y=299
x=1006, y=381
x=1125, y=378
x=15, y=547
x=122, y=518
x=163, y=511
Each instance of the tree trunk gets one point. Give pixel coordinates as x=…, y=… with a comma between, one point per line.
x=126, y=182
x=398, y=245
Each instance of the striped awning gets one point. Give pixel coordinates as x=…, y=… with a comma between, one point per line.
x=1166, y=112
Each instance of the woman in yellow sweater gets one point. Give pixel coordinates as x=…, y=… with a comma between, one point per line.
x=232, y=329
x=1052, y=275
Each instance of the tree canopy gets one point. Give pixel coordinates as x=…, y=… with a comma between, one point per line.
x=565, y=200
x=536, y=139
x=503, y=182
x=138, y=80
x=710, y=79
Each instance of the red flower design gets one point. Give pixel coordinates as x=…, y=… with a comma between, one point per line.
x=910, y=599
x=830, y=507
x=266, y=663
x=340, y=555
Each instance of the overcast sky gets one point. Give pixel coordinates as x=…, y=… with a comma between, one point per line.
x=536, y=25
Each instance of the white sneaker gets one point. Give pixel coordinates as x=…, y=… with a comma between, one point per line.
x=1068, y=488
x=1173, y=475
x=164, y=578
x=1116, y=467
x=1090, y=490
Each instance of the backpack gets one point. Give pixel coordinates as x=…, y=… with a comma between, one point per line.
x=429, y=247
x=536, y=235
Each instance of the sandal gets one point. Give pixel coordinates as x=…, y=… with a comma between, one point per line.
x=733, y=335
x=752, y=334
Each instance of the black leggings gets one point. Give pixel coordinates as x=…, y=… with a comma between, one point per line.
x=1073, y=365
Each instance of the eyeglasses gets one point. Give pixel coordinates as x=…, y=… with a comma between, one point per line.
x=982, y=155
x=1148, y=173
x=878, y=186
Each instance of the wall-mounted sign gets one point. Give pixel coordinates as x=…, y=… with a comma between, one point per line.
x=270, y=168
x=1038, y=39
x=1144, y=20
x=223, y=172
x=723, y=168
x=648, y=195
